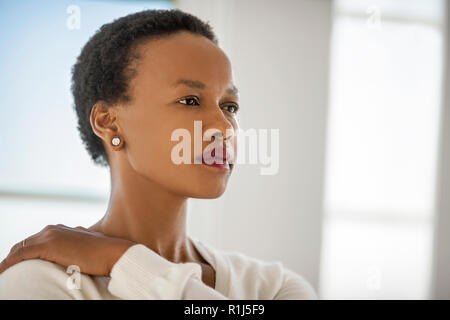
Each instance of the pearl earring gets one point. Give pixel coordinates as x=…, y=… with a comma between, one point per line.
x=115, y=141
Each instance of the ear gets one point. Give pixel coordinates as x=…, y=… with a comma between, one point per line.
x=103, y=120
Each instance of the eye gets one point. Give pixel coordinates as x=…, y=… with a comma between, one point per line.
x=191, y=101
x=234, y=108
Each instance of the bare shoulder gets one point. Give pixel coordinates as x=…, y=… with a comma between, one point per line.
x=34, y=279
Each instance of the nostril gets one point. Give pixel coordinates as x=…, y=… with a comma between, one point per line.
x=216, y=135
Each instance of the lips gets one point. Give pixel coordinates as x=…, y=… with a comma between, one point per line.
x=216, y=161
x=213, y=159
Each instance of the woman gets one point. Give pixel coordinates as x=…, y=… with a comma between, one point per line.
x=137, y=81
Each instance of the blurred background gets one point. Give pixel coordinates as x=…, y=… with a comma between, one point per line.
x=359, y=91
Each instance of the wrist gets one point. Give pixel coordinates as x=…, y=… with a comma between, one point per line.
x=117, y=252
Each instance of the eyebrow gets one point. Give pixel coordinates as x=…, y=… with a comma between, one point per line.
x=200, y=85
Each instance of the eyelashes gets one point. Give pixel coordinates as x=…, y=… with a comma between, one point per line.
x=194, y=102
x=190, y=99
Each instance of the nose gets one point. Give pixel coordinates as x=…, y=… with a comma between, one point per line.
x=219, y=135
x=218, y=127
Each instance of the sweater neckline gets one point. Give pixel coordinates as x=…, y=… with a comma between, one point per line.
x=218, y=263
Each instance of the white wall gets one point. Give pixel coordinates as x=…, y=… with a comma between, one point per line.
x=441, y=261
x=279, y=53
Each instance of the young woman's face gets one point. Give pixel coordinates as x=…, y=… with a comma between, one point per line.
x=161, y=104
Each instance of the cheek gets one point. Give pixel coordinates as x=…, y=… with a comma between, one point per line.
x=148, y=137
x=149, y=152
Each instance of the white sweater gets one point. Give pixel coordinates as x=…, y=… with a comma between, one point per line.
x=141, y=273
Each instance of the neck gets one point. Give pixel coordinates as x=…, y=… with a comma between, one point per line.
x=145, y=212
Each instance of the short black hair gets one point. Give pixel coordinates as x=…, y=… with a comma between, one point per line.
x=105, y=66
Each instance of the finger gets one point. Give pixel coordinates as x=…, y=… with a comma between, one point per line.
x=16, y=246
x=21, y=254
x=87, y=230
x=59, y=225
x=81, y=228
x=27, y=241
x=33, y=239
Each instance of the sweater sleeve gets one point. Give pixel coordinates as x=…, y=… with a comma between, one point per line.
x=141, y=273
x=34, y=279
x=295, y=287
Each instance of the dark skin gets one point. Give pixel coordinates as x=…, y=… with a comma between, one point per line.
x=149, y=192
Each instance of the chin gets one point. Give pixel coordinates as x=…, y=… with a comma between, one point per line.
x=212, y=196
x=207, y=193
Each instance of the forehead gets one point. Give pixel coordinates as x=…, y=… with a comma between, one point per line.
x=184, y=55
